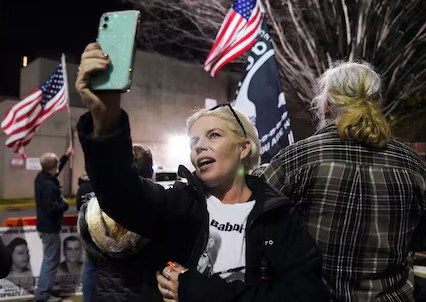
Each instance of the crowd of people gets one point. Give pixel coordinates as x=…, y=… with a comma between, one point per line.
x=334, y=217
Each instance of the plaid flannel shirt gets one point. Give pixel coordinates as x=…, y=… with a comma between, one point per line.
x=363, y=206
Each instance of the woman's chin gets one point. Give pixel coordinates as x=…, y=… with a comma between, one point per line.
x=208, y=180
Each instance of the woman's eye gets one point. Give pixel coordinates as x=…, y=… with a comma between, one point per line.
x=214, y=135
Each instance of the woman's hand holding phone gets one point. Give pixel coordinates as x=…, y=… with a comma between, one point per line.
x=106, y=68
x=105, y=108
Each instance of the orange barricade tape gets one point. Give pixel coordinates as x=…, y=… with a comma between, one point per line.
x=69, y=220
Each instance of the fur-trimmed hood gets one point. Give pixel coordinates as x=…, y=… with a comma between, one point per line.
x=103, y=236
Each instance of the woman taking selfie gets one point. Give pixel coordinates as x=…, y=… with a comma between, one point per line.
x=227, y=236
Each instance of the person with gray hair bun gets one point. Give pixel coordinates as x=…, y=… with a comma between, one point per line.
x=263, y=254
x=361, y=192
x=349, y=96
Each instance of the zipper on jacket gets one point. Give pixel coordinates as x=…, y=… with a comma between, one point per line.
x=202, y=239
x=265, y=274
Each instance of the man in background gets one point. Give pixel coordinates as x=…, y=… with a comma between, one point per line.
x=50, y=208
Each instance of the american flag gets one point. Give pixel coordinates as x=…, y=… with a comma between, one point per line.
x=236, y=35
x=23, y=119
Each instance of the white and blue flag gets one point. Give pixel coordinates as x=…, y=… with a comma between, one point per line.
x=261, y=98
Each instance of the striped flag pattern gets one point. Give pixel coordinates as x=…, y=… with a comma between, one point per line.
x=236, y=35
x=23, y=119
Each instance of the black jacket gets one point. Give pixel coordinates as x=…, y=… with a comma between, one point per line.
x=62, y=162
x=83, y=192
x=278, y=249
x=125, y=278
x=50, y=206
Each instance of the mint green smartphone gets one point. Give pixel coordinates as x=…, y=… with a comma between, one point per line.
x=116, y=36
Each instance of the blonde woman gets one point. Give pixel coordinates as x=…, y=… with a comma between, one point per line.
x=264, y=253
x=361, y=192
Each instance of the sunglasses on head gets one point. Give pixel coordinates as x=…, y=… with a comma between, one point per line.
x=233, y=113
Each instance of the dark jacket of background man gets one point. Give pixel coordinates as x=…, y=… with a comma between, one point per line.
x=84, y=191
x=50, y=205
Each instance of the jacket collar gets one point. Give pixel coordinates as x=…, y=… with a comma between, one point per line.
x=326, y=129
x=49, y=176
x=266, y=196
x=193, y=181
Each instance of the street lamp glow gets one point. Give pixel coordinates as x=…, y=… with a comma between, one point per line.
x=178, y=145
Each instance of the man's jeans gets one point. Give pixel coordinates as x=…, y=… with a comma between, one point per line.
x=89, y=280
x=51, y=257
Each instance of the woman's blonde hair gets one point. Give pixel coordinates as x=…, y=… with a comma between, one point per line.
x=224, y=113
x=349, y=95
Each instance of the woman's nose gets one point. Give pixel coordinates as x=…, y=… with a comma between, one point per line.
x=200, y=146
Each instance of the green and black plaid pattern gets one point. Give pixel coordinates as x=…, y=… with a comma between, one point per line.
x=362, y=206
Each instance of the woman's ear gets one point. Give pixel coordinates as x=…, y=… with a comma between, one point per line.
x=245, y=149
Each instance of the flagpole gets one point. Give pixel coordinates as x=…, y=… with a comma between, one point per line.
x=262, y=9
x=70, y=134
x=64, y=72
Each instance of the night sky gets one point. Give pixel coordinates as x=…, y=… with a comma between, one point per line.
x=45, y=29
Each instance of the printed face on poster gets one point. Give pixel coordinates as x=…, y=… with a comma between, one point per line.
x=27, y=254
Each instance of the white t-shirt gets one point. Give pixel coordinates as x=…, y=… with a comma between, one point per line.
x=225, y=252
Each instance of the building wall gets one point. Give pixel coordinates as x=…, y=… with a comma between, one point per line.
x=17, y=182
x=163, y=94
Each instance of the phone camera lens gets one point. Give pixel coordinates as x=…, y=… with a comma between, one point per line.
x=106, y=19
x=105, y=25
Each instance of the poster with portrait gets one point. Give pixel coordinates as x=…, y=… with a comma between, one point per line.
x=27, y=256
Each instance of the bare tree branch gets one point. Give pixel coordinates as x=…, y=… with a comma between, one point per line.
x=308, y=36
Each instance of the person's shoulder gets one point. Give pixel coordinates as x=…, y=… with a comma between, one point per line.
x=407, y=155
x=403, y=147
x=83, y=179
x=325, y=137
x=43, y=180
x=306, y=143
x=41, y=176
x=85, y=188
x=262, y=188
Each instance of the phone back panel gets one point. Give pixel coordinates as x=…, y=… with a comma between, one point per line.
x=116, y=36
